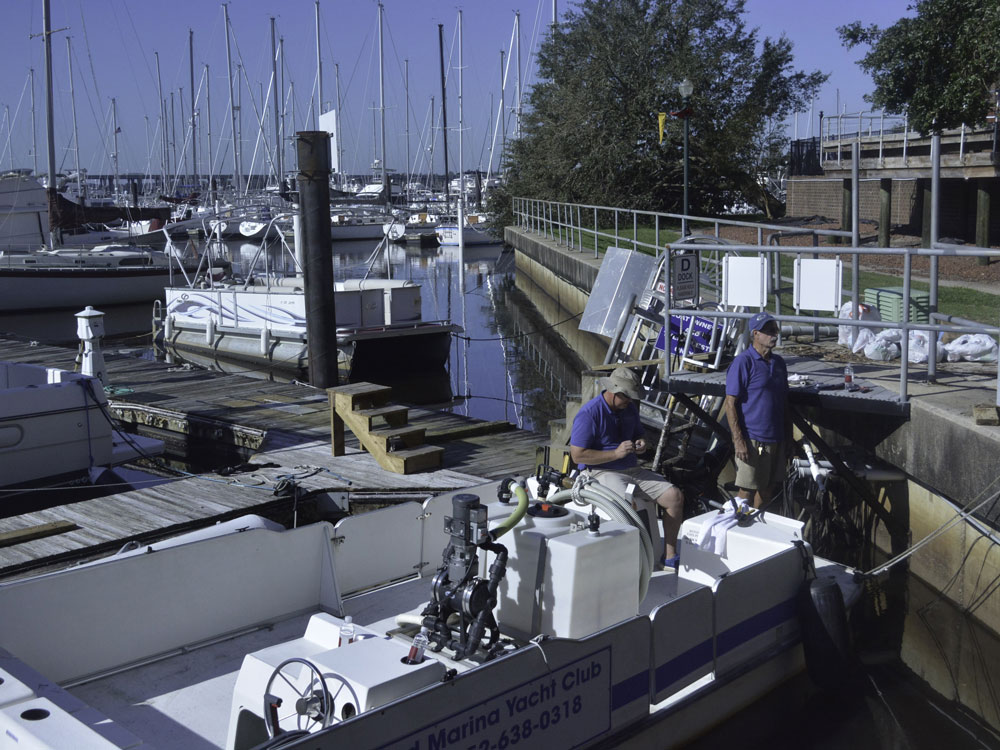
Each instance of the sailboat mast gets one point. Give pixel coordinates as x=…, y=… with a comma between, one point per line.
x=50, y=136
x=281, y=138
x=76, y=133
x=232, y=101
x=164, y=156
x=461, y=127
x=406, y=85
x=34, y=131
x=208, y=125
x=194, y=132
x=517, y=118
x=444, y=114
x=381, y=109
x=319, y=76
x=503, y=117
x=277, y=115
x=114, y=155
x=339, y=144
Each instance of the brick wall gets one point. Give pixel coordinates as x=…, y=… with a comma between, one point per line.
x=809, y=196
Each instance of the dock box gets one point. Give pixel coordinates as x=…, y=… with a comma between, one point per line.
x=889, y=303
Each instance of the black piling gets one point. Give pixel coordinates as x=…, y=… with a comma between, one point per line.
x=313, y=150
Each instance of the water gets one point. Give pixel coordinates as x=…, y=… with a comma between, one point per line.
x=490, y=372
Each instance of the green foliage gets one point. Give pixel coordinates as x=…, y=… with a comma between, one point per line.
x=590, y=130
x=941, y=66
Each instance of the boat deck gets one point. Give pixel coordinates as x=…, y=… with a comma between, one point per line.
x=285, y=430
x=184, y=699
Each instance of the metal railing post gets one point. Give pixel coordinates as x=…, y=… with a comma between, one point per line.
x=904, y=343
x=932, y=301
x=596, y=242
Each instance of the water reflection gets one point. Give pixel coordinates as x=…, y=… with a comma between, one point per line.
x=507, y=363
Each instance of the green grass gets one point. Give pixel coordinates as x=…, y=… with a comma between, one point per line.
x=952, y=300
x=645, y=234
x=959, y=301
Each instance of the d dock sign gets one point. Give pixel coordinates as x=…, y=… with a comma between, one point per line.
x=684, y=277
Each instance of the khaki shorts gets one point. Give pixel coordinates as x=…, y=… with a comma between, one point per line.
x=765, y=467
x=648, y=484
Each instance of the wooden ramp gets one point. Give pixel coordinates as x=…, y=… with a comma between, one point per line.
x=382, y=428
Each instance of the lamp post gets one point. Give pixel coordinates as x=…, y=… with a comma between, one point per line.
x=685, y=88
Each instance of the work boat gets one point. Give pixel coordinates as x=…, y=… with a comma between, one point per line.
x=544, y=625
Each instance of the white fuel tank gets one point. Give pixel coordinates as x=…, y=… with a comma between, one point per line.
x=562, y=579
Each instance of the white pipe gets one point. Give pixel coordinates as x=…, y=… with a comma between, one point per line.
x=871, y=474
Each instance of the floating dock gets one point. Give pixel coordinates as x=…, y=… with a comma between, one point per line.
x=275, y=432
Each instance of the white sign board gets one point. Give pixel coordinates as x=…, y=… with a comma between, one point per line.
x=817, y=284
x=328, y=122
x=684, y=276
x=744, y=281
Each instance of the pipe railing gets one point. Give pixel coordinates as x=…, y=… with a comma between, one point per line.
x=561, y=223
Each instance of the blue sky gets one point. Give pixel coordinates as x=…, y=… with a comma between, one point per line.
x=114, y=41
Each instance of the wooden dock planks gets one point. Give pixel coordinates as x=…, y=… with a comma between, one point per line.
x=286, y=425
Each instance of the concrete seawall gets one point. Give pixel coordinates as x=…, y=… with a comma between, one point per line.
x=950, y=463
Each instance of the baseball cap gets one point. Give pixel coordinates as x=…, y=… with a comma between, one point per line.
x=761, y=319
x=623, y=380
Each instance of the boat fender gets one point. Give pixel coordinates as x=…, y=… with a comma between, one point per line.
x=825, y=637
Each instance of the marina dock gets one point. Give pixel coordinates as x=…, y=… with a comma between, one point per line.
x=276, y=432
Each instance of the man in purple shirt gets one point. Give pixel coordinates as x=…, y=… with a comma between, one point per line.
x=758, y=412
x=607, y=434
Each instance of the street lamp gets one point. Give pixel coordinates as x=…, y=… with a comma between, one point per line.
x=685, y=88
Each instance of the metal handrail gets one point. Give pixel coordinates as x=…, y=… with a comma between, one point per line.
x=561, y=223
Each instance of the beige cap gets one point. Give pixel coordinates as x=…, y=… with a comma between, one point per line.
x=623, y=380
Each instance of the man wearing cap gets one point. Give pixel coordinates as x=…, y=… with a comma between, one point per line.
x=607, y=434
x=758, y=413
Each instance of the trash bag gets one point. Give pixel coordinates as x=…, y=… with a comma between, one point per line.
x=883, y=348
x=919, y=346
x=972, y=347
x=865, y=335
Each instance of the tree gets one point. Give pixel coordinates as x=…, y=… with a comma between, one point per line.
x=941, y=66
x=590, y=130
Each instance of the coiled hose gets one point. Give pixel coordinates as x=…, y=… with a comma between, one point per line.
x=587, y=491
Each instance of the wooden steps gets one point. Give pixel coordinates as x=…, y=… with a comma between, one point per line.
x=381, y=427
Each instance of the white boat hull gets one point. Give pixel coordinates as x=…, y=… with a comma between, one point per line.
x=189, y=639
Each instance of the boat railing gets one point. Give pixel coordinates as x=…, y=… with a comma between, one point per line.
x=581, y=228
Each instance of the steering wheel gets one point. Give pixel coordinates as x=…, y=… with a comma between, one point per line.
x=313, y=708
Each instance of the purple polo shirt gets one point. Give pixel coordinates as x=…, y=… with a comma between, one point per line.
x=761, y=390
x=597, y=427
